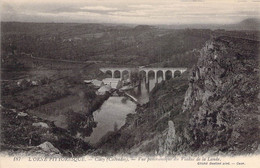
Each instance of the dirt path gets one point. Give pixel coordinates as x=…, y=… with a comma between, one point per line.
x=68, y=61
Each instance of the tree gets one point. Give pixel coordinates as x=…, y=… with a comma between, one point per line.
x=115, y=127
x=134, y=77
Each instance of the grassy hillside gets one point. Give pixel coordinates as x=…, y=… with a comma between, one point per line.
x=139, y=45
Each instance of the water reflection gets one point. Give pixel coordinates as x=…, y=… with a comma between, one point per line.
x=110, y=116
x=141, y=92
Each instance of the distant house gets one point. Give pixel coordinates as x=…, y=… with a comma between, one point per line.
x=24, y=83
x=115, y=83
x=95, y=82
x=35, y=83
x=103, y=89
x=88, y=81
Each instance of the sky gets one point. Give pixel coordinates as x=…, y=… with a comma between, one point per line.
x=131, y=11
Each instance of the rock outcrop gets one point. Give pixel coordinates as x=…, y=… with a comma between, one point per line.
x=40, y=124
x=49, y=148
x=169, y=141
x=223, y=97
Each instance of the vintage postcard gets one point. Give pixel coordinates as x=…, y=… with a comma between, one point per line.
x=130, y=83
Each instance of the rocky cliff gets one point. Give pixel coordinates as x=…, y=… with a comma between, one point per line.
x=223, y=97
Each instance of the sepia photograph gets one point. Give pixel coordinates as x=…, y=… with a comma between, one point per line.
x=130, y=83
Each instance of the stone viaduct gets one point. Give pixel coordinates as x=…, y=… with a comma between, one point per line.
x=144, y=71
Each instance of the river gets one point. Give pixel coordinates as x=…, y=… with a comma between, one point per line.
x=113, y=112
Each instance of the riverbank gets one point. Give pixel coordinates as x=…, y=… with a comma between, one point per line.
x=52, y=95
x=73, y=123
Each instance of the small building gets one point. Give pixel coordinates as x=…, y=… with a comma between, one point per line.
x=88, y=81
x=97, y=83
x=24, y=83
x=115, y=83
x=103, y=89
x=35, y=83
